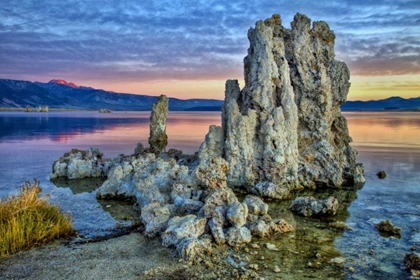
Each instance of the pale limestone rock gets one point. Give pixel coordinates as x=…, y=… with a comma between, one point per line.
x=216, y=228
x=79, y=164
x=179, y=228
x=238, y=236
x=255, y=205
x=221, y=198
x=264, y=228
x=190, y=248
x=237, y=213
x=284, y=129
x=146, y=178
x=308, y=206
x=269, y=189
x=211, y=174
x=155, y=217
x=158, y=138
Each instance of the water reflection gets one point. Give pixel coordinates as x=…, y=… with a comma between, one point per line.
x=307, y=252
x=122, y=211
x=79, y=186
x=186, y=130
x=60, y=127
x=385, y=141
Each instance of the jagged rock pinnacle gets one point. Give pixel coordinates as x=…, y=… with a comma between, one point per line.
x=284, y=130
x=158, y=138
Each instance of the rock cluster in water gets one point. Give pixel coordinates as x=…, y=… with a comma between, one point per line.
x=79, y=164
x=282, y=132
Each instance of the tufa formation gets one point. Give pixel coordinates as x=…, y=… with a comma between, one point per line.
x=158, y=138
x=284, y=130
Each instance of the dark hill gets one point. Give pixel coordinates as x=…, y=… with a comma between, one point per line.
x=61, y=94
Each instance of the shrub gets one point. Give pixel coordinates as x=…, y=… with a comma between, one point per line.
x=27, y=220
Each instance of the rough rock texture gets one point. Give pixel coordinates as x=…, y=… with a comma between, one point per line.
x=255, y=205
x=381, y=174
x=237, y=236
x=387, y=227
x=180, y=228
x=284, y=129
x=158, y=138
x=155, y=217
x=308, y=206
x=79, y=164
x=264, y=227
x=144, y=178
x=237, y=213
x=412, y=263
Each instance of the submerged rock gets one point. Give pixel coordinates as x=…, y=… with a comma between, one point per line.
x=381, y=175
x=158, y=138
x=79, y=164
x=412, y=263
x=387, y=227
x=308, y=206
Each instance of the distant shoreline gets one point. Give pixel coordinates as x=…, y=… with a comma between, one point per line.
x=198, y=109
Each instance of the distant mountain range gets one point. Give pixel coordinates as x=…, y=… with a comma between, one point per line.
x=392, y=103
x=61, y=94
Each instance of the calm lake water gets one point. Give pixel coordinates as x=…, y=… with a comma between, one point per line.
x=30, y=142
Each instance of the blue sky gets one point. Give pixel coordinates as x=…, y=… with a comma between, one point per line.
x=189, y=48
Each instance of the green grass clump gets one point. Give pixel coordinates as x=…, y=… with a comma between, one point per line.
x=28, y=220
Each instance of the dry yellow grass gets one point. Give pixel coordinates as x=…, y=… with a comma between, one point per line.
x=27, y=220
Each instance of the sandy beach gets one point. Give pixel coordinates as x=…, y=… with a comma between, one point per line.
x=124, y=257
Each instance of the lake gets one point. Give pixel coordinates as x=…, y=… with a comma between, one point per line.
x=390, y=141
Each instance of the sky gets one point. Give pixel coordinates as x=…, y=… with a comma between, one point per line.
x=188, y=49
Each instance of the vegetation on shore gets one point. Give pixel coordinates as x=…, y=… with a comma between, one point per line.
x=28, y=220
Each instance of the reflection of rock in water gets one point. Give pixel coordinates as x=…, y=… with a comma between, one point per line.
x=79, y=186
x=120, y=210
x=307, y=252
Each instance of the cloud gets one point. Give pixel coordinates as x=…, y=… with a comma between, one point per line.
x=190, y=40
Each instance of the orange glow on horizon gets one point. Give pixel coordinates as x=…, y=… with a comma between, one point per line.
x=382, y=87
x=362, y=87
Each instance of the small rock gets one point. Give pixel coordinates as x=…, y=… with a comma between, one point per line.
x=381, y=174
x=386, y=226
x=308, y=206
x=412, y=261
x=413, y=248
x=337, y=260
x=276, y=269
x=255, y=205
x=271, y=247
x=351, y=269
x=255, y=246
x=253, y=266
